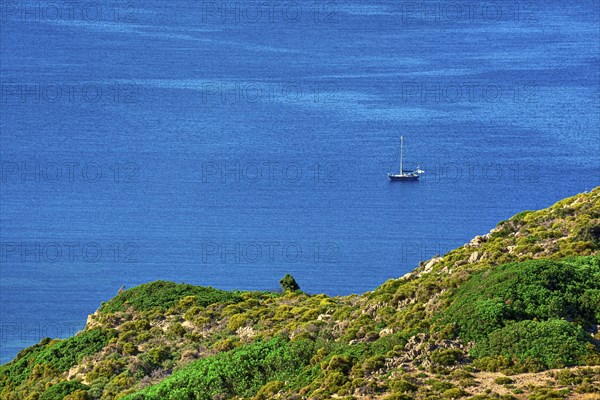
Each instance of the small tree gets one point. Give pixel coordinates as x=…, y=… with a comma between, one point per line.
x=289, y=283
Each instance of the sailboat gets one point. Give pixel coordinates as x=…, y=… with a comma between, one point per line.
x=405, y=175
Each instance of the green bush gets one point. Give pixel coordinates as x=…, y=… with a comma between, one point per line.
x=78, y=394
x=446, y=356
x=402, y=386
x=554, y=343
x=503, y=380
x=590, y=233
x=177, y=330
x=334, y=380
x=236, y=321
x=338, y=363
x=269, y=390
x=454, y=393
x=162, y=295
x=288, y=283
x=106, y=368
x=129, y=349
x=224, y=345
x=240, y=372
x=537, y=289
x=61, y=390
x=492, y=364
x=374, y=363
x=55, y=355
x=440, y=386
x=398, y=396
x=521, y=311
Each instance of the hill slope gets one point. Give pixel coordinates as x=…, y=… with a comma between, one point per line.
x=523, y=300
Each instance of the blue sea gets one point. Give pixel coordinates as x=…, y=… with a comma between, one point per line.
x=229, y=143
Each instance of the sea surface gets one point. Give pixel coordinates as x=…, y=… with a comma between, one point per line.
x=229, y=143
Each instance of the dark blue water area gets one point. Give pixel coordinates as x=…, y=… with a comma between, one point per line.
x=153, y=140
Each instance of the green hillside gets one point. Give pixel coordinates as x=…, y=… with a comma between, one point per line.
x=514, y=313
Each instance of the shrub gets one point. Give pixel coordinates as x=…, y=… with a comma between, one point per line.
x=439, y=386
x=269, y=390
x=177, y=330
x=590, y=233
x=554, y=343
x=129, y=349
x=224, y=345
x=156, y=355
x=240, y=372
x=339, y=363
x=520, y=310
x=454, y=393
x=537, y=289
x=106, y=368
x=492, y=364
x=334, y=380
x=398, y=396
x=402, y=386
x=288, y=283
x=61, y=390
x=55, y=355
x=503, y=380
x=446, y=356
x=162, y=295
x=236, y=321
x=374, y=363
x=78, y=394
x=388, y=343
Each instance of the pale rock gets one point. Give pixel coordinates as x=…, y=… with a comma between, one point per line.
x=429, y=266
x=386, y=332
x=474, y=257
x=246, y=332
x=478, y=240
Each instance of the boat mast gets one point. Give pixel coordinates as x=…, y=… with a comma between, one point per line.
x=401, y=145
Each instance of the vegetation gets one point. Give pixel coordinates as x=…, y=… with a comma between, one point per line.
x=240, y=372
x=289, y=283
x=37, y=365
x=162, y=295
x=523, y=298
x=535, y=310
x=550, y=344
